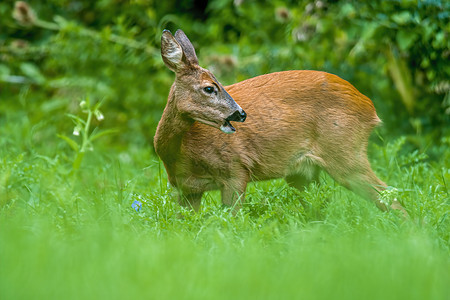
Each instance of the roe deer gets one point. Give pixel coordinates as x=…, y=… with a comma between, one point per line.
x=299, y=122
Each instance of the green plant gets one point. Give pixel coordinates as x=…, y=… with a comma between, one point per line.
x=83, y=129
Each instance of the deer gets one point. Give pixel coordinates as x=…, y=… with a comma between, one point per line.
x=295, y=124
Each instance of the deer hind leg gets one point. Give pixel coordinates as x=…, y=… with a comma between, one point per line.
x=364, y=183
x=357, y=176
x=300, y=181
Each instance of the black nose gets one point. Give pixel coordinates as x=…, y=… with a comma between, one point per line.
x=237, y=116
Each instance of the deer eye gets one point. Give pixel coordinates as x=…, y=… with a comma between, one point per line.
x=209, y=89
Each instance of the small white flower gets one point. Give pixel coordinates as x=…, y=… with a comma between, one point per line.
x=99, y=115
x=77, y=130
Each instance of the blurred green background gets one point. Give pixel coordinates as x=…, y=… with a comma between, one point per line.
x=54, y=53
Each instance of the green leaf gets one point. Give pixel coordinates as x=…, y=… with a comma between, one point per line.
x=76, y=119
x=32, y=72
x=4, y=70
x=348, y=10
x=405, y=39
x=93, y=137
x=402, y=17
x=98, y=104
x=69, y=141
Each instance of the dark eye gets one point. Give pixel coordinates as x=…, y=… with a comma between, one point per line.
x=209, y=89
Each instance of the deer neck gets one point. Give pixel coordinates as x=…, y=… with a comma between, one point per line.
x=170, y=131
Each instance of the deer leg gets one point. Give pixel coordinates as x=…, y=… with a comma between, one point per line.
x=233, y=194
x=192, y=200
x=365, y=184
x=359, y=178
x=300, y=182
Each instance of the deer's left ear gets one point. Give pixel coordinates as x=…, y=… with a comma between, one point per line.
x=186, y=45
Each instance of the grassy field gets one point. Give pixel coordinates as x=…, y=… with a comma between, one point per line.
x=72, y=233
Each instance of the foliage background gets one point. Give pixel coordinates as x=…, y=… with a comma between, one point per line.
x=395, y=52
x=67, y=228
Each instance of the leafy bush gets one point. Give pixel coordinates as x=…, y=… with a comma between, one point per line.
x=54, y=54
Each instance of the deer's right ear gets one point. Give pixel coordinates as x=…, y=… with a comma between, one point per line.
x=171, y=51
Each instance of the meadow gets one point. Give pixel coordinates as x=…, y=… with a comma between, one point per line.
x=86, y=211
x=111, y=229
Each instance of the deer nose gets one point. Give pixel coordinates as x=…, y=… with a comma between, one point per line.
x=237, y=116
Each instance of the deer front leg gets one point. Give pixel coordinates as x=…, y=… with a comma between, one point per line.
x=233, y=194
x=191, y=200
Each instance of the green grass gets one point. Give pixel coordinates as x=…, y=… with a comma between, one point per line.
x=68, y=234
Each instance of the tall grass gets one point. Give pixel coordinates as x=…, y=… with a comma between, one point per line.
x=75, y=235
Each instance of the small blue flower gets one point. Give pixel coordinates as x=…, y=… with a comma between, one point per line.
x=137, y=205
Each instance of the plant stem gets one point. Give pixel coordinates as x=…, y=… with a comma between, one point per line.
x=86, y=132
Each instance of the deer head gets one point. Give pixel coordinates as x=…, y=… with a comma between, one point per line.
x=198, y=95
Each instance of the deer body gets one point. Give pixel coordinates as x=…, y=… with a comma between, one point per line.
x=299, y=122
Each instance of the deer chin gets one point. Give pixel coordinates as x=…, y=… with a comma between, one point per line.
x=227, y=127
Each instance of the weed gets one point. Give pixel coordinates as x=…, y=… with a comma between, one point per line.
x=83, y=128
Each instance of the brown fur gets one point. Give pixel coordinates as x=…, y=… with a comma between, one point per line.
x=299, y=122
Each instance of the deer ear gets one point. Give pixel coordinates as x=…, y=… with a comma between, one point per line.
x=188, y=48
x=171, y=51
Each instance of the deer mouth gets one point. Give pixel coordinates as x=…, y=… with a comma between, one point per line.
x=227, y=127
x=237, y=116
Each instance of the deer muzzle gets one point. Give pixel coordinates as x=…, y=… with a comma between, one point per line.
x=237, y=116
